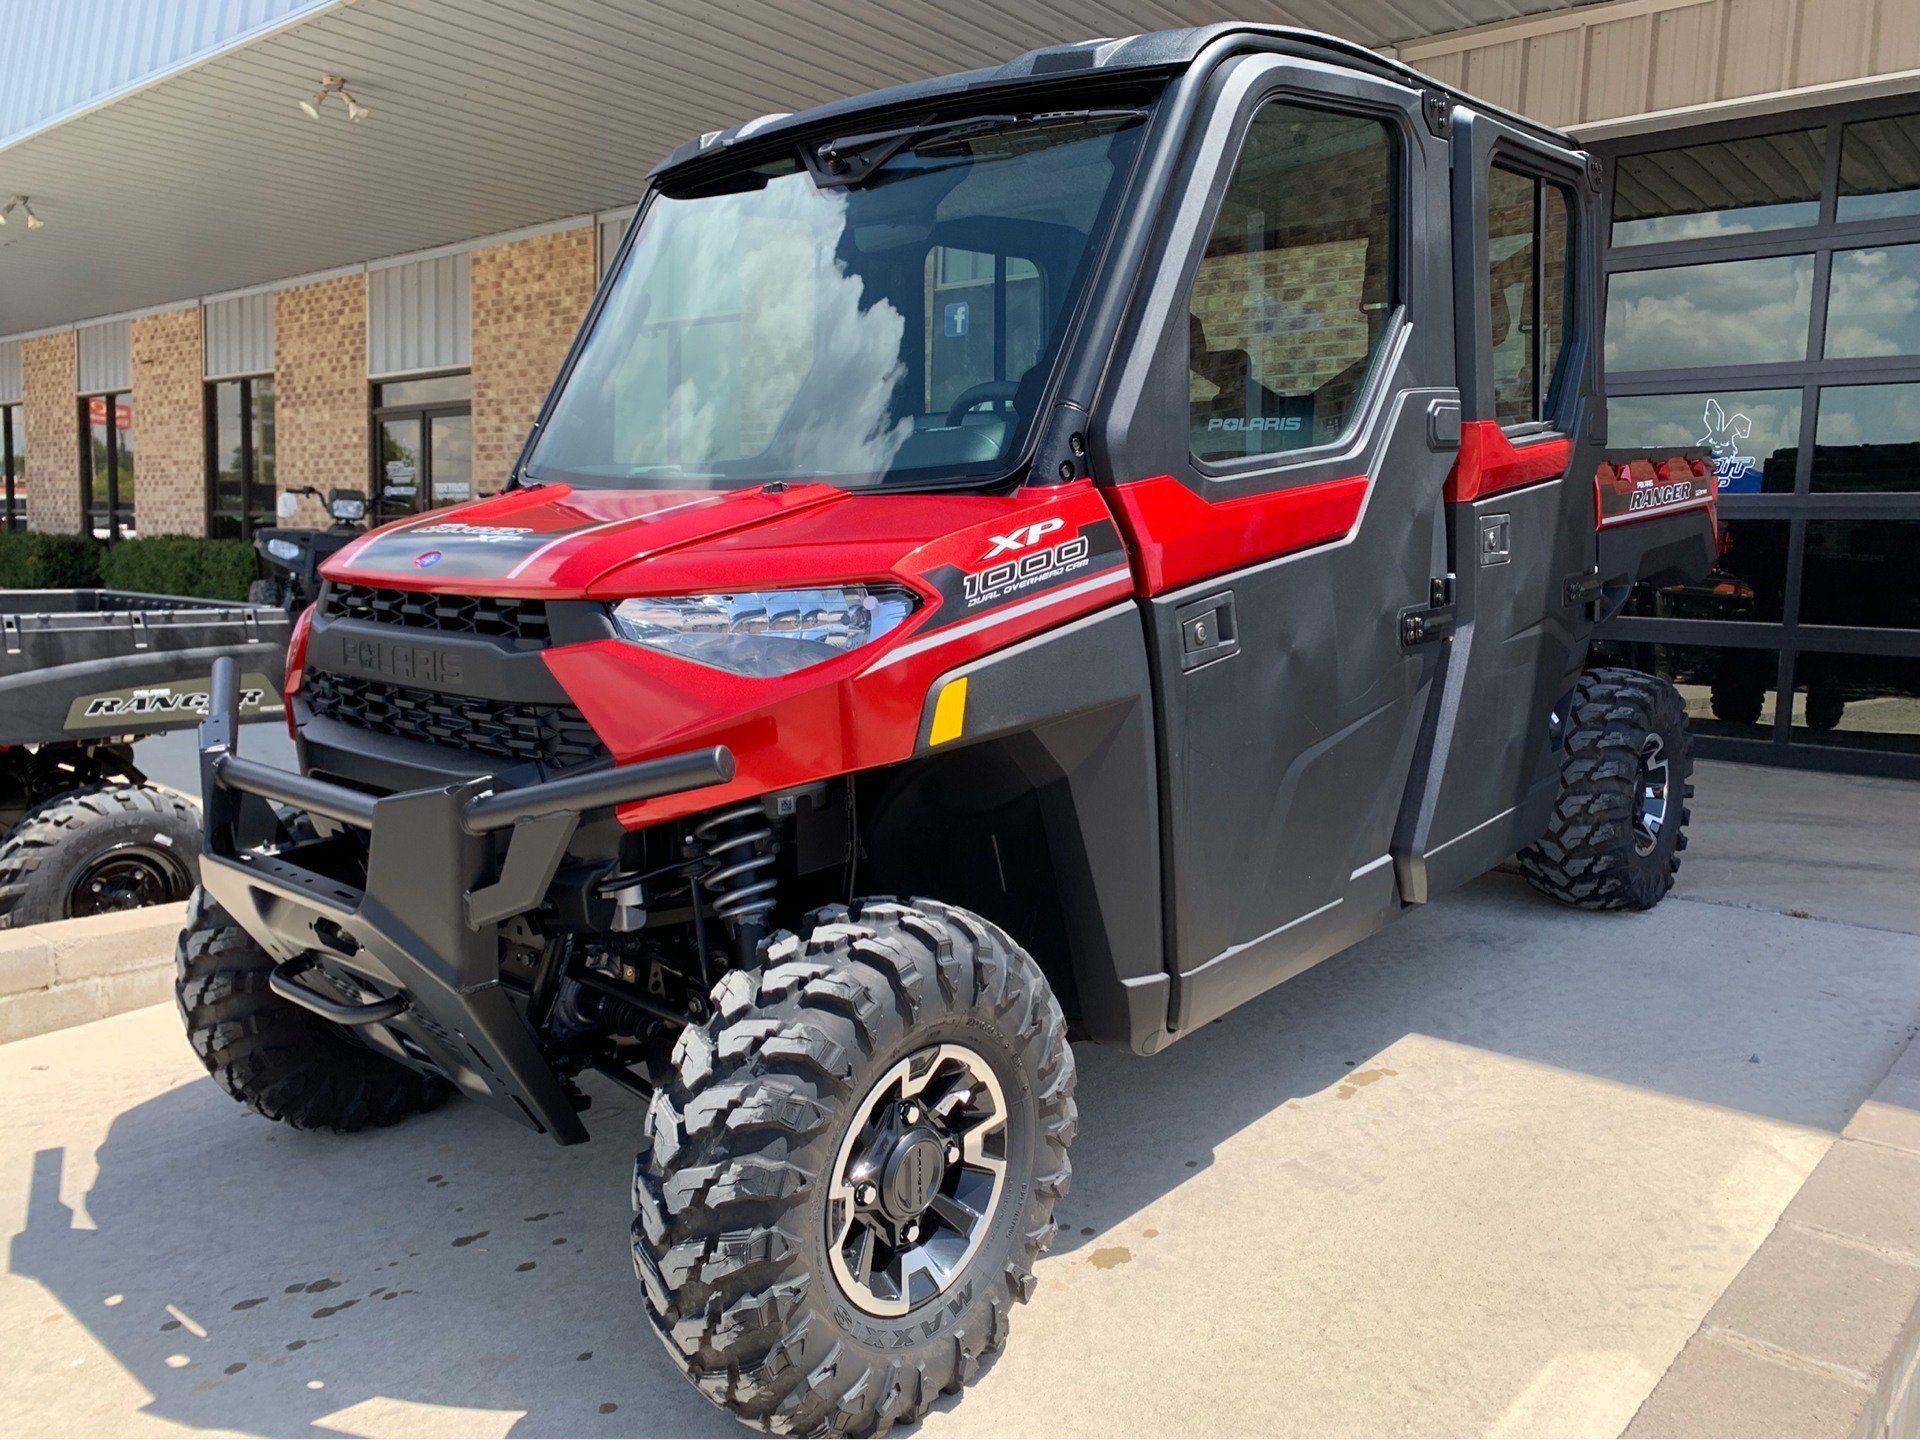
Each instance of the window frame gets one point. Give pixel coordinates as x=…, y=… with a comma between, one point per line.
x=117, y=510
x=13, y=507
x=249, y=460
x=1391, y=121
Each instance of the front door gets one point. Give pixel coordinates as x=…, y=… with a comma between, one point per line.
x=423, y=445
x=1279, y=462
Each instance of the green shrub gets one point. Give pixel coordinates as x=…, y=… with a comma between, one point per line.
x=180, y=565
x=32, y=561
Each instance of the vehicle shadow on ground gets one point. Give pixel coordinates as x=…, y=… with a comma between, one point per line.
x=253, y=1278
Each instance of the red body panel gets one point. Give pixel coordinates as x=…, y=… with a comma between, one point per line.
x=1178, y=537
x=1488, y=462
x=989, y=570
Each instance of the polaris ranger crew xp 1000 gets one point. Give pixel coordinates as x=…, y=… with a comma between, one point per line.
x=1048, y=552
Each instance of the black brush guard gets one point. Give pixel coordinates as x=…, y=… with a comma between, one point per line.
x=423, y=934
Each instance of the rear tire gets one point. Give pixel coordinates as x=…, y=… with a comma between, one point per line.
x=741, y=1242
x=268, y=591
x=1620, y=822
x=268, y=1053
x=91, y=852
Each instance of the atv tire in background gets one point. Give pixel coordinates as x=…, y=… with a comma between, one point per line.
x=853, y=1167
x=266, y=1052
x=92, y=851
x=1620, y=821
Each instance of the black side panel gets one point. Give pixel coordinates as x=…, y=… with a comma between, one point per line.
x=1664, y=549
x=1065, y=718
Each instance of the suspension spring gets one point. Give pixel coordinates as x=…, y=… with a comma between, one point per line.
x=740, y=849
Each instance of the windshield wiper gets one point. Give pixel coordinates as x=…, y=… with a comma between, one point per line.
x=850, y=159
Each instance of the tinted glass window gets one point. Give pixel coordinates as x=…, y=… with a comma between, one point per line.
x=1862, y=572
x=229, y=458
x=1868, y=438
x=13, y=454
x=1872, y=701
x=1753, y=436
x=1880, y=168
x=1513, y=291
x=1873, y=302
x=1293, y=291
x=1733, y=312
x=427, y=390
x=1748, y=581
x=1732, y=187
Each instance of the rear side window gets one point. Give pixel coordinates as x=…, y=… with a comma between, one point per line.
x=1530, y=265
x=1294, y=290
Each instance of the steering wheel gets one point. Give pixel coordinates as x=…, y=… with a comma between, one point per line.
x=999, y=391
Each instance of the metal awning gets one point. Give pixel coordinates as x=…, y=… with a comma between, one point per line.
x=488, y=116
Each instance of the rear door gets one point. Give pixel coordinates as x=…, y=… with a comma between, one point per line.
x=1519, y=512
x=1277, y=438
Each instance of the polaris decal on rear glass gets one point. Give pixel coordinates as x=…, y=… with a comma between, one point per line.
x=1029, y=561
x=1639, y=488
x=186, y=700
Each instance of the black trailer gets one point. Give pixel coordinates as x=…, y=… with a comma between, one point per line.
x=84, y=673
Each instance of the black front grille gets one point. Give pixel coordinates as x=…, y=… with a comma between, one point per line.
x=556, y=736
x=524, y=620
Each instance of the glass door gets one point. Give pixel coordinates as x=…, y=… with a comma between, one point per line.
x=106, y=423
x=423, y=445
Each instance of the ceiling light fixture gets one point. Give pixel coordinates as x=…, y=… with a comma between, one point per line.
x=335, y=85
x=19, y=202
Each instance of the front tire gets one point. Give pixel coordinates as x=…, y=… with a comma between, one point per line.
x=747, y=1231
x=284, y=1062
x=1620, y=822
x=92, y=852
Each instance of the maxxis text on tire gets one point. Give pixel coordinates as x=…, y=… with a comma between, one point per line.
x=1592, y=856
x=730, y=1236
x=268, y=1053
x=49, y=855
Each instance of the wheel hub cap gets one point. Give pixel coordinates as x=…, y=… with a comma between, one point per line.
x=917, y=1179
x=1650, y=802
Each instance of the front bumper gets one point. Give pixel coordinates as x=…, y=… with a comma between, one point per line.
x=412, y=912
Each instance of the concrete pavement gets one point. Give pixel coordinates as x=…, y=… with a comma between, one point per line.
x=1487, y=1173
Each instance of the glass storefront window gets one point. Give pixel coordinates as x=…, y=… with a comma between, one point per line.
x=425, y=390
x=1753, y=435
x=241, y=480
x=1731, y=187
x=1862, y=572
x=1728, y=691
x=1749, y=579
x=1880, y=169
x=1731, y=312
x=1866, y=702
x=423, y=444
x=1867, y=438
x=107, y=456
x=1873, y=303
x=13, y=467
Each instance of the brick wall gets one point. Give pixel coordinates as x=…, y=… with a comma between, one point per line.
x=528, y=297
x=320, y=389
x=169, y=427
x=49, y=384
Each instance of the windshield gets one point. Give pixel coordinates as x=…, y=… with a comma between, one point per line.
x=895, y=331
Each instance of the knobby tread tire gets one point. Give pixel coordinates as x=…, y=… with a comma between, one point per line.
x=54, y=842
x=282, y=1061
x=1587, y=857
x=741, y=1136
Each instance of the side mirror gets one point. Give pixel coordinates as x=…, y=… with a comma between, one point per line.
x=287, y=505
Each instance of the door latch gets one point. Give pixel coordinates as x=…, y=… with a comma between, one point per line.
x=1207, y=631
x=1424, y=624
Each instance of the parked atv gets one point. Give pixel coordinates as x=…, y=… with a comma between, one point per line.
x=292, y=557
x=1049, y=551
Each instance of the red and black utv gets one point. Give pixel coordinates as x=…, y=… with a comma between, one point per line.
x=1150, y=499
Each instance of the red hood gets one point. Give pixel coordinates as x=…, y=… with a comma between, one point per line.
x=556, y=542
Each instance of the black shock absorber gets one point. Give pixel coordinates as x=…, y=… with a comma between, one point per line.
x=740, y=847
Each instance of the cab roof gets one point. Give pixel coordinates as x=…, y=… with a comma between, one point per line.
x=1161, y=51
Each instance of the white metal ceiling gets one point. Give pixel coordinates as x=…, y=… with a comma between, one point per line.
x=491, y=115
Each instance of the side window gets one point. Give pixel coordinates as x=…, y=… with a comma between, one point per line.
x=1529, y=262
x=1293, y=292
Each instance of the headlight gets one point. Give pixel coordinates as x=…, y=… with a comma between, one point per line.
x=764, y=632
x=283, y=549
